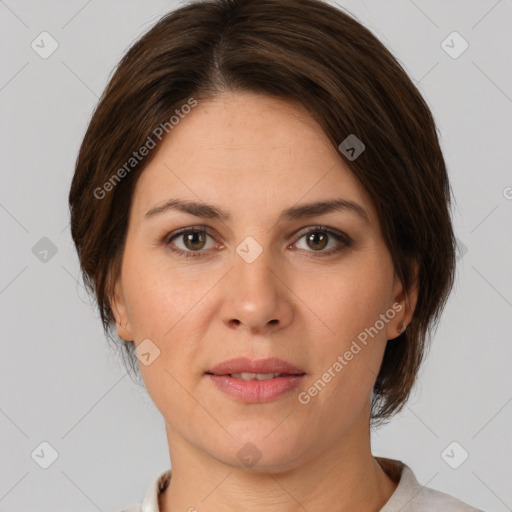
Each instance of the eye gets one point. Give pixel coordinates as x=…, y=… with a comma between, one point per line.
x=320, y=237
x=194, y=240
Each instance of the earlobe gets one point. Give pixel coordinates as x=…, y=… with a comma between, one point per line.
x=405, y=303
x=118, y=306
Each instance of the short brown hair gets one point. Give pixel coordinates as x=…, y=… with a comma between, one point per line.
x=304, y=51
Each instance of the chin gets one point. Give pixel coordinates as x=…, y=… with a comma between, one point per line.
x=263, y=449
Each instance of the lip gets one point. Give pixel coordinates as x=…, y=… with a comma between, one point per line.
x=256, y=391
x=246, y=365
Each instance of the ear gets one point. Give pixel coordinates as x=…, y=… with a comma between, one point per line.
x=404, y=304
x=118, y=305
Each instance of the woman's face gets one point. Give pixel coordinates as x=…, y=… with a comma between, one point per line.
x=255, y=284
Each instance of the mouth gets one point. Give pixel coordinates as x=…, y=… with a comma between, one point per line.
x=253, y=388
x=256, y=381
x=251, y=382
x=255, y=376
x=249, y=369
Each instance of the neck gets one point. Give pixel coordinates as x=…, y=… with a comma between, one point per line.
x=344, y=478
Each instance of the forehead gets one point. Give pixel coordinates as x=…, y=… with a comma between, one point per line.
x=249, y=150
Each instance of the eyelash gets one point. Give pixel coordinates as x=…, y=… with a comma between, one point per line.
x=341, y=237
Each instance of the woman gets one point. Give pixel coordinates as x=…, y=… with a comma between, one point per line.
x=261, y=206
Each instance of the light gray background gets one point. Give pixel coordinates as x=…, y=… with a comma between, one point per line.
x=60, y=383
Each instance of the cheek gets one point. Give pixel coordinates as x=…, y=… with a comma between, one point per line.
x=157, y=297
x=168, y=307
x=350, y=302
x=160, y=308
x=351, y=299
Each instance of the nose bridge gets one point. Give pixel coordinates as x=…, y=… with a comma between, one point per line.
x=254, y=294
x=253, y=267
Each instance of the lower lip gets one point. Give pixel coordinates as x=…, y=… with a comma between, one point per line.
x=256, y=391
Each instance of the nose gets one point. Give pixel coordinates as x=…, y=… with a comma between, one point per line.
x=255, y=294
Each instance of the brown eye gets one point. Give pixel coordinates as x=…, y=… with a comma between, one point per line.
x=317, y=240
x=320, y=238
x=190, y=242
x=194, y=240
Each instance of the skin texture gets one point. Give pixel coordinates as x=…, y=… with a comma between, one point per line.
x=255, y=156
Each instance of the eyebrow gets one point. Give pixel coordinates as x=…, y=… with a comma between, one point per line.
x=209, y=211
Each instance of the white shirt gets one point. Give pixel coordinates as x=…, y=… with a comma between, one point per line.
x=409, y=496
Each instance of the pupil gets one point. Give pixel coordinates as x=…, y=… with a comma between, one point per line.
x=314, y=238
x=190, y=240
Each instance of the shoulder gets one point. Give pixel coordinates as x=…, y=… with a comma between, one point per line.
x=429, y=498
x=150, y=502
x=410, y=496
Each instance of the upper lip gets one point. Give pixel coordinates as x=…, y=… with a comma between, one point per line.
x=246, y=365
